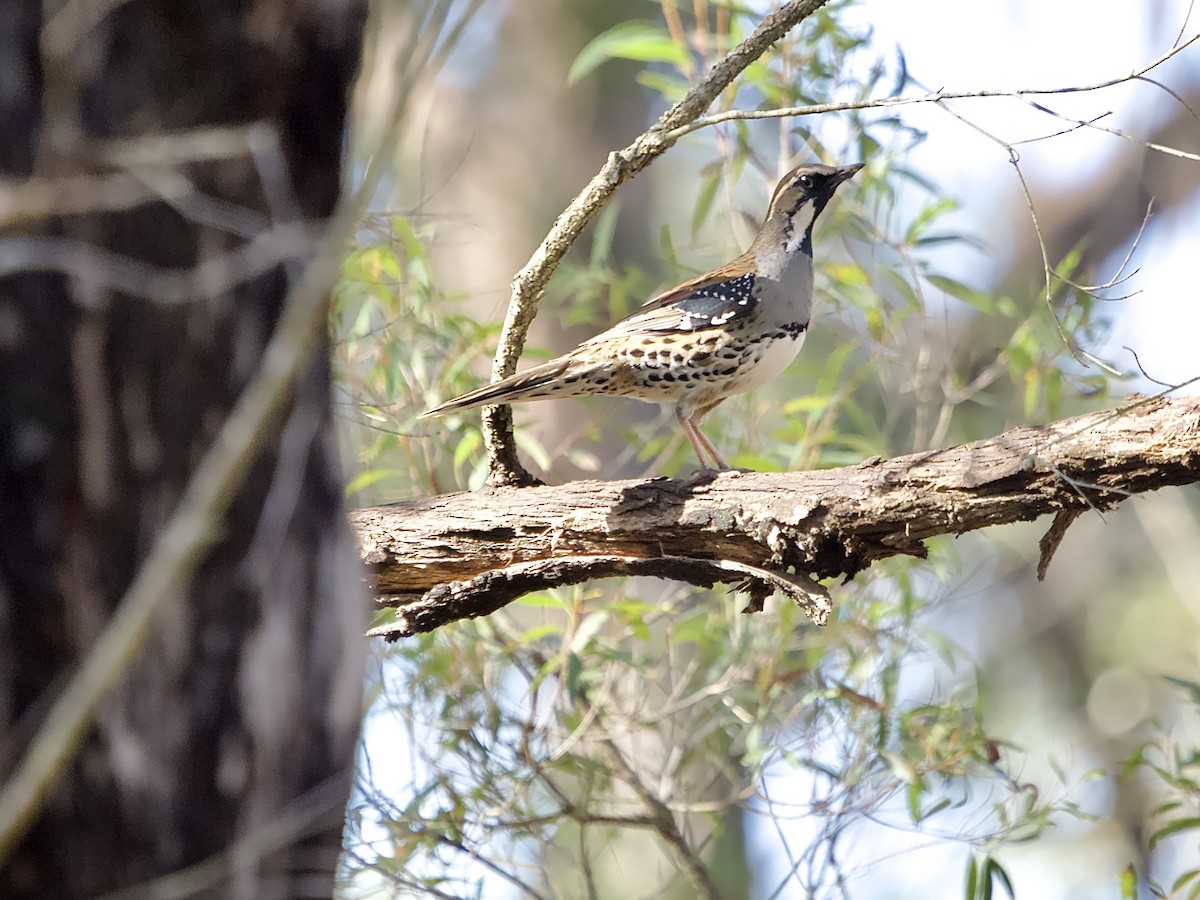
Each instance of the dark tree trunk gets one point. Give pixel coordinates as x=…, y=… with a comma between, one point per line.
x=236, y=725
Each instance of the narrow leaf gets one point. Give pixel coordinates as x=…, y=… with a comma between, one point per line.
x=1179, y=825
x=637, y=40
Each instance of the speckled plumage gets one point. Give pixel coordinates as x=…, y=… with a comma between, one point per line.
x=708, y=339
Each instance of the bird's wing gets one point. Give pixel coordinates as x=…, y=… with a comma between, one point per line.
x=710, y=301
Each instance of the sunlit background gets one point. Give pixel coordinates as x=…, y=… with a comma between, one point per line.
x=1070, y=670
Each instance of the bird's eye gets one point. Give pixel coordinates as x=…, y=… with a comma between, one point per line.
x=806, y=182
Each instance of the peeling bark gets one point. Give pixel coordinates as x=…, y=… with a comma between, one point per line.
x=463, y=555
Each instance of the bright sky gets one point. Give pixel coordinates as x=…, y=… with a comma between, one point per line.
x=1032, y=44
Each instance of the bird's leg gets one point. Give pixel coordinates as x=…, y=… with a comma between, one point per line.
x=722, y=465
x=695, y=419
x=698, y=441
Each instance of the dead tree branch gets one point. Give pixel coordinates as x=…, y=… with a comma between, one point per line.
x=463, y=555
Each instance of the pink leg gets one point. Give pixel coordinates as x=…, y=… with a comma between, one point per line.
x=700, y=443
x=708, y=445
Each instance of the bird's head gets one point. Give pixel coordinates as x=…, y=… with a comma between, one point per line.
x=798, y=199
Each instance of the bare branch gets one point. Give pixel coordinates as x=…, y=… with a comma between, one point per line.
x=1051, y=540
x=664, y=824
x=461, y=555
x=527, y=286
x=117, y=272
x=931, y=97
x=492, y=590
x=38, y=198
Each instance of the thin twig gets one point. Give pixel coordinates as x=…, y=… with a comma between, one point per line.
x=127, y=275
x=664, y=824
x=931, y=97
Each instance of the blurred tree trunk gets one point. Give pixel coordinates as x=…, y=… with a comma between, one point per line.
x=236, y=724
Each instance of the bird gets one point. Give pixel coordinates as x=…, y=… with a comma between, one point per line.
x=712, y=337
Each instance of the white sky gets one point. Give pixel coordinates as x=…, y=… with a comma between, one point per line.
x=1034, y=43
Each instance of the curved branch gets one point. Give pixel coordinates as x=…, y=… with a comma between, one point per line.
x=457, y=556
x=527, y=286
x=495, y=588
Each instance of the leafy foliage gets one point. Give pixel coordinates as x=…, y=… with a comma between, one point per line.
x=1173, y=771
x=536, y=750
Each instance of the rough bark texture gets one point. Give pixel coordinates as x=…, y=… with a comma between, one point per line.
x=464, y=555
x=237, y=724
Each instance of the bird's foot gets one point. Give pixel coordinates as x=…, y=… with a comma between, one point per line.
x=705, y=475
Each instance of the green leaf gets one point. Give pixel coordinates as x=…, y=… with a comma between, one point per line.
x=671, y=88
x=541, y=600
x=1164, y=808
x=1128, y=883
x=574, y=673
x=1032, y=392
x=602, y=237
x=931, y=212
x=944, y=803
x=368, y=477
x=692, y=628
x=913, y=796
x=848, y=274
x=996, y=871
x=471, y=441
x=588, y=629
x=1183, y=879
x=1191, y=688
x=1187, y=823
x=960, y=291
x=538, y=632
x=1054, y=393
x=638, y=40
x=704, y=202
x=971, y=888
x=533, y=447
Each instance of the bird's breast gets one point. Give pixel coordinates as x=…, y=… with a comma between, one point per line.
x=785, y=293
x=765, y=358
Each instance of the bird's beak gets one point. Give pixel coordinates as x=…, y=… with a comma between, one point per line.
x=846, y=172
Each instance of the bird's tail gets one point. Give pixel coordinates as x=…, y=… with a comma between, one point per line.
x=532, y=384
